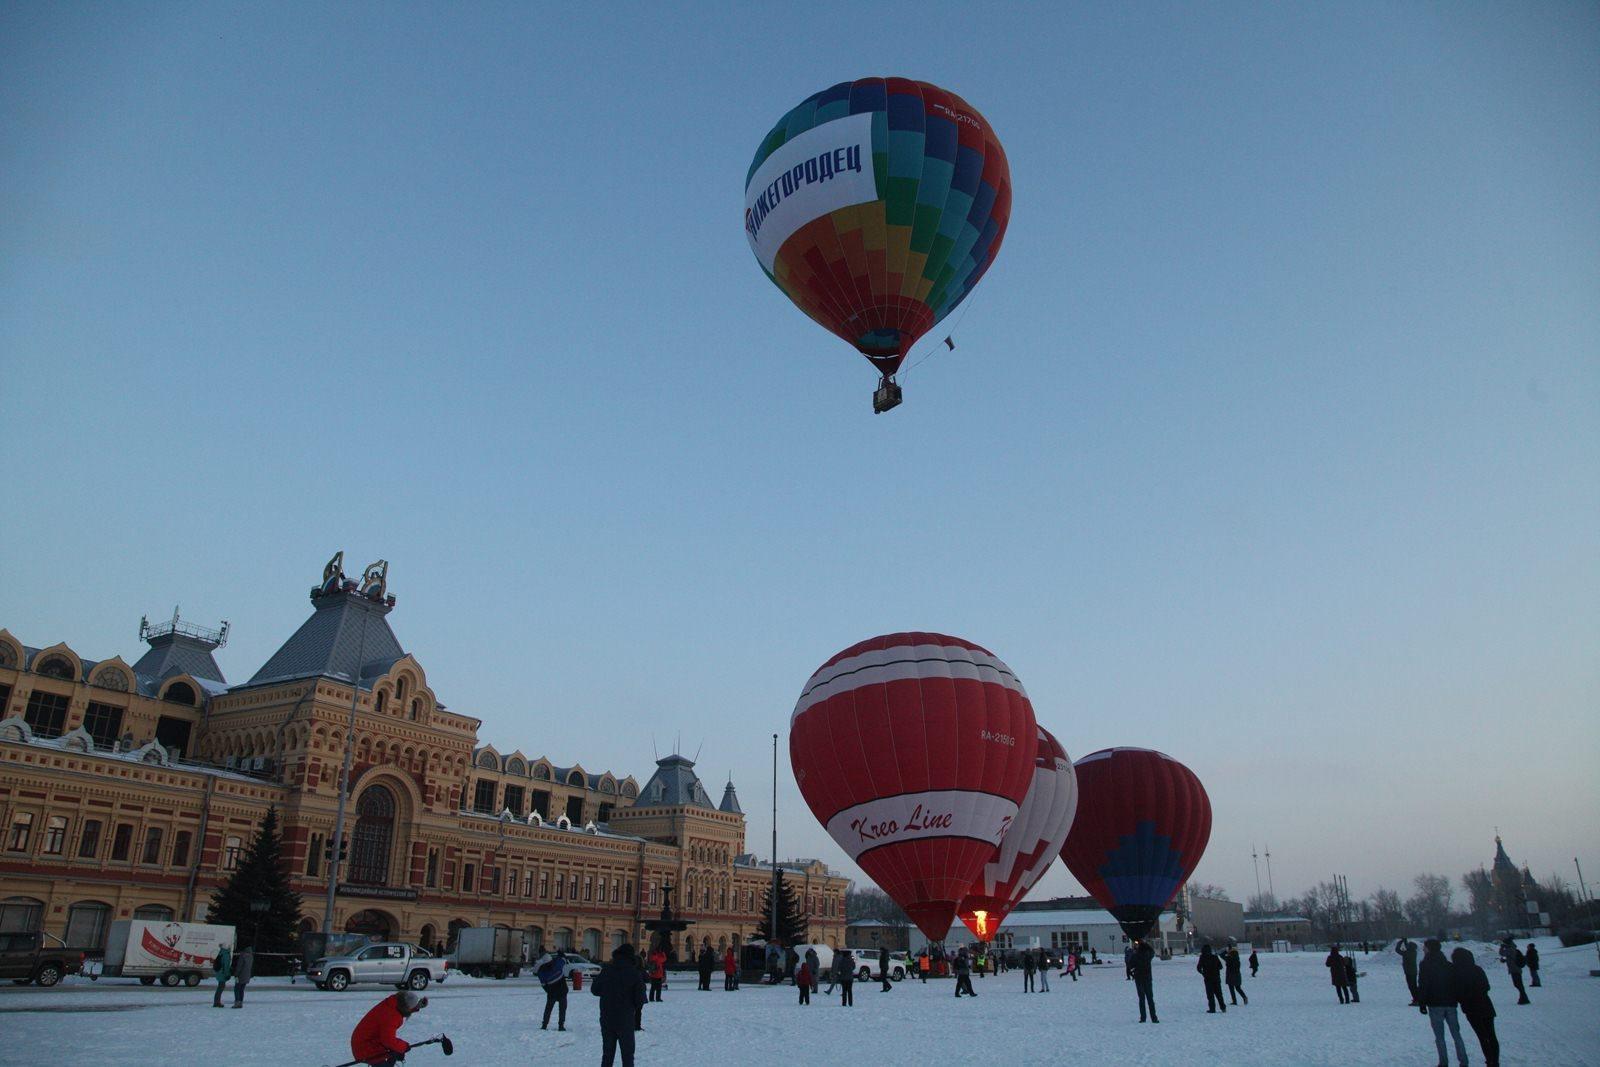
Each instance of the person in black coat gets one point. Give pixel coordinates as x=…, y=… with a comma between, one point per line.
x=705, y=963
x=1233, y=972
x=1210, y=968
x=883, y=970
x=1436, y=989
x=1255, y=963
x=1406, y=949
x=1472, y=994
x=1514, y=965
x=1339, y=975
x=1139, y=964
x=1350, y=979
x=1532, y=957
x=620, y=987
x=1028, y=968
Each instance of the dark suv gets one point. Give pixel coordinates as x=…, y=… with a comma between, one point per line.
x=38, y=958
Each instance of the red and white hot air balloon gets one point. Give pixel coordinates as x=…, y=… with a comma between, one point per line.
x=915, y=750
x=1030, y=846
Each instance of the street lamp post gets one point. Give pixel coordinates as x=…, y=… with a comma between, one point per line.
x=258, y=908
x=337, y=846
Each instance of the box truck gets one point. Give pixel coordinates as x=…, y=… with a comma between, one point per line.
x=166, y=951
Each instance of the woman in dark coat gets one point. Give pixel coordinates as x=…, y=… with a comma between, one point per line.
x=1472, y=992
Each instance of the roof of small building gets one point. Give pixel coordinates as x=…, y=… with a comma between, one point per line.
x=674, y=785
x=346, y=638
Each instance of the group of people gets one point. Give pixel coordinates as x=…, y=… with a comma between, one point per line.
x=240, y=967
x=1342, y=972
x=1214, y=967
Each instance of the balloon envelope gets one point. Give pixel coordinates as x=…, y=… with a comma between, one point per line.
x=1030, y=846
x=876, y=205
x=1142, y=825
x=914, y=750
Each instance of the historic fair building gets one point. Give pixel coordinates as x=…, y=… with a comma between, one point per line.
x=131, y=790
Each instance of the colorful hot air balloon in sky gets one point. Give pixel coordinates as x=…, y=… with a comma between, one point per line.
x=914, y=750
x=876, y=206
x=1142, y=825
x=1030, y=846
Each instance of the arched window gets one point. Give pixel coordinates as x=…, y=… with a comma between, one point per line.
x=400, y=691
x=575, y=778
x=416, y=709
x=20, y=915
x=153, y=913
x=55, y=667
x=87, y=922
x=374, y=834
x=383, y=700
x=180, y=693
x=591, y=943
x=541, y=772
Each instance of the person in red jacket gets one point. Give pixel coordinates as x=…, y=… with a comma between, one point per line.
x=658, y=973
x=376, y=1039
x=730, y=970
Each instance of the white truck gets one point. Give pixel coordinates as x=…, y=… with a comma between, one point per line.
x=384, y=963
x=488, y=952
x=166, y=951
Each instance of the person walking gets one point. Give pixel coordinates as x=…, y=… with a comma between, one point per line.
x=924, y=965
x=1127, y=961
x=845, y=974
x=1044, y=972
x=1532, y=958
x=883, y=970
x=1232, y=972
x=1027, y=973
x=816, y=967
x=1472, y=995
x=1140, y=955
x=1406, y=949
x=802, y=981
x=1350, y=979
x=1255, y=962
x=244, y=968
x=620, y=988
x=1336, y=971
x=964, y=975
x=730, y=971
x=552, y=975
x=376, y=1040
x=1436, y=992
x=658, y=973
x=1514, y=965
x=1210, y=968
x=221, y=970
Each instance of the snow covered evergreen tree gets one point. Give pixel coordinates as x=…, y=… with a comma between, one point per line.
x=260, y=879
x=791, y=917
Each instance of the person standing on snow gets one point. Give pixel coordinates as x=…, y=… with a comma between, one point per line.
x=620, y=988
x=1472, y=994
x=730, y=970
x=815, y=963
x=244, y=968
x=1127, y=960
x=1210, y=968
x=376, y=1040
x=1336, y=972
x=1350, y=979
x=1044, y=972
x=705, y=963
x=1027, y=973
x=883, y=970
x=552, y=975
x=1140, y=955
x=1436, y=989
x=1514, y=965
x=802, y=981
x=1233, y=974
x=1255, y=962
x=221, y=970
x=1532, y=958
x=658, y=973
x=963, y=968
x=1406, y=949
x=844, y=973
x=924, y=965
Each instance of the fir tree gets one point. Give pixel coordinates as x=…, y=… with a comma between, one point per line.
x=791, y=918
x=260, y=877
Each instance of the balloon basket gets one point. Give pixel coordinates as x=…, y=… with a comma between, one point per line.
x=886, y=397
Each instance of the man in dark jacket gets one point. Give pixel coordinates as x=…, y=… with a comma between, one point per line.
x=1028, y=968
x=1337, y=972
x=844, y=972
x=1508, y=949
x=1532, y=957
x=552, y=975
x=244, y=968
x=1472, y=993
x=620, y=987
x=1233, y=971
x=813, y=961
x=1255, y=962
x=1140, y=959
x=963, y=969
x=883, y=970
x=705, y=963
x=1436, y=990
x=1406, y=949
x=1350, y=976
x=1210, y=968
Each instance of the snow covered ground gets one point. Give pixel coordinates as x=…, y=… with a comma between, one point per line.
x=1293, y=1019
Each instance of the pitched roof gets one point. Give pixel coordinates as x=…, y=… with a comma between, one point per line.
x=674, y=784
x=730, y=800
x=346, y=637
x=176, y=653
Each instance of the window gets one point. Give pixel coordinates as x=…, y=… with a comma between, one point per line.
x=55, y=835
x=466, y=878
x=54, y=667
x=544, y=885
x=313, y=855
x=46, y=714
x=575, y=810
x=588, y=887
x=5, y=694
x=156, y=913
x=513, y=883
x=152, y=845
x=432, y=880
x=20, y=915
x=561, y=888
x=602, y=890
x=21, y=832
x=374, y=834
x=527, y=883
x=180, y=848
x=514, y=795
x=572, y=887
x=86, y=924
x=231, y=849
x=494, y=881
x=104, y=723
x=173, y=735
x=383, y=699
x=628, y=897
x=483, y=796
x=416, y=709
x=541, y=802
x=89, y=840
x=180, y=693
x=650, y=898
x=604, y=814
x=616, y=891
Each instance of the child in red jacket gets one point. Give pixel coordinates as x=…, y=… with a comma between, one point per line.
x=802, y=979
x=376, y=1040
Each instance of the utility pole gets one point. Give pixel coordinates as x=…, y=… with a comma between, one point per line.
x=1255, y=861
x=1584, y=889
x=344, y=779
x=1270, y=888
x=773, y=919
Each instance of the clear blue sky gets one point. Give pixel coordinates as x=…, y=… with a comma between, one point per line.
x=1272, y=439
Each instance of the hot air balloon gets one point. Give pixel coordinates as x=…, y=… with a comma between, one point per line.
x=915, y=750
x=1142, y=825
x=876, y=206
x=1030, y=846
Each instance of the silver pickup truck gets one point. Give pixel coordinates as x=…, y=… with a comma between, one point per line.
x=385, y=963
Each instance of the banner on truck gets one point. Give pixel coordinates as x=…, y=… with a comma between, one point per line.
x=172, y=945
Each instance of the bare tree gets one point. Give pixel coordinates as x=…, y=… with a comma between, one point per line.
x=1388, y=913
x=1429, y=906
x=1262, y=904
x=873, y=903
x=1208, y=891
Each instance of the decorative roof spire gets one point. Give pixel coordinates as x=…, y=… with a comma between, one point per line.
x=730, y=800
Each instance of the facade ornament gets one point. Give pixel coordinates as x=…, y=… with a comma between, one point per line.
x=332, y=576
x=375, y=580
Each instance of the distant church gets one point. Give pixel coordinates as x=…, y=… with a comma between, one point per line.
x=1513, y=893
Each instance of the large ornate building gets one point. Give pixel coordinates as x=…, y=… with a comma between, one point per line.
x=130, y=791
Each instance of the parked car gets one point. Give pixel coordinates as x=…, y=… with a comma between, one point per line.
x=867, y=964
x=385, y=963
x=37, y=957
x=577, y=963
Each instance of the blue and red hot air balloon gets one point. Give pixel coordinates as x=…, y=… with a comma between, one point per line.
x=1142, y=825
x=876, y=205
x=915, y=750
